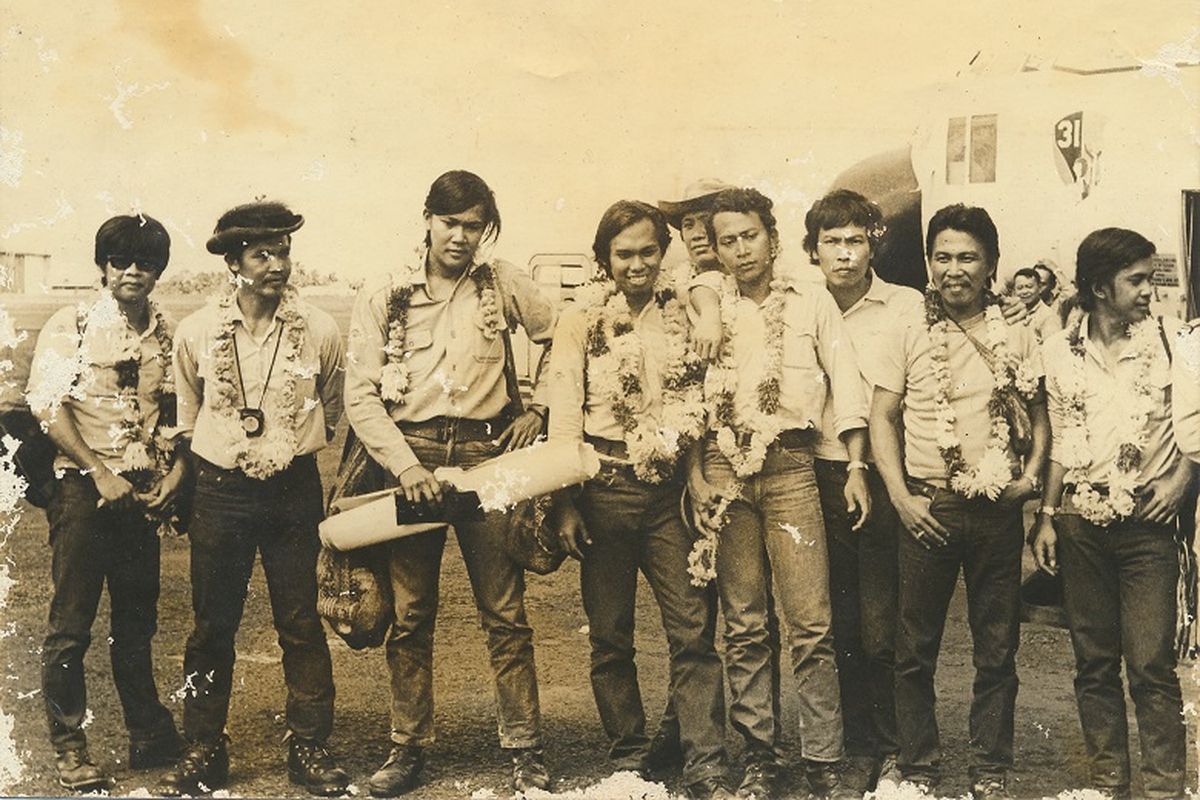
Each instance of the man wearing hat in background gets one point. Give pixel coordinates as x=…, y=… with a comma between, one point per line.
x=258, y=375
x=689, y=215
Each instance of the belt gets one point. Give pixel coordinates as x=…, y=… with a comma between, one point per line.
x=791, y=439
x=613, y=448
x=458, y=429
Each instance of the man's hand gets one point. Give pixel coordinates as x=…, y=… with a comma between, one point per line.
x=1161, y=498
x=1017, y=492
x=858, y=497
x=706, y=337
x=114, y=490
x=164, y=495
x=920, y=523
x=523, y=432
x=1045, y=546
x=572, y=531
x=420, y=486
x=1015, y=311
x=705, y=500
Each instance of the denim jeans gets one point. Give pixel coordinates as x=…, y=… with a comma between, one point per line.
x=863, y=585
x=1119, y=594
x=985, y=542
x=234, y=517
x=499, y=588
x=634, y=525
x=775, y=540
x=91, y=546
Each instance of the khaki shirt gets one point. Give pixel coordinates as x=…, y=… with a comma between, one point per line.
x=318, y=379
x=80, y=375
x=1185, y=381
x=1107, y=419
x=454, y=369
x=868, y=324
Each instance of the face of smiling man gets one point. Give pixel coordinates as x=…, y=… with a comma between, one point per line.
x=960, y=270
x=635, y=259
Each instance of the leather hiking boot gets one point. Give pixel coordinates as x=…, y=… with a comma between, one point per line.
x=827, y=781
x=311, y=766
x=77, y=771
x=203, y=768
x=708, y=789
x=991, y=787
x=665, y=752
x=529, y=770
x=760, y=777
x=159, y=751
x=399, y=774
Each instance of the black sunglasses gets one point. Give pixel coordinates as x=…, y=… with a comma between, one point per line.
x=123, y=263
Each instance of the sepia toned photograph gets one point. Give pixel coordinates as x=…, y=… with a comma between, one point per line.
x=600, y=401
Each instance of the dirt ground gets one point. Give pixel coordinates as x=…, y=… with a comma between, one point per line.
x=466, y=759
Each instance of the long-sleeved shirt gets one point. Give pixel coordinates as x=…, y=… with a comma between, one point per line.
x=868, y=324
x=819, y=364
x=1107, y=391
x=906, y=367
x=1185, y=384
x=318, y=373
x=80, y=374
x=455, y=370
x=575, y=411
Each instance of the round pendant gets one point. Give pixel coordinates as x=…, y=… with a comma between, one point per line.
x=253, y=421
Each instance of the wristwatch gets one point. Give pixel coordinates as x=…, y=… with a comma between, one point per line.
x=1048, y=511
x=856, y=465
x=1034, y=480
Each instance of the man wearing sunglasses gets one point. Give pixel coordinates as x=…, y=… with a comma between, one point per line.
x=100, y=384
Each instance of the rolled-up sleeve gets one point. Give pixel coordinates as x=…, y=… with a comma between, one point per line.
x=841, y=365
x=365, y=407
x=1185, y=392
x=331, y=378
x=527, y=305
x=565, y=377
x=1055, y=355
x=889, y=369
x=189, y=387
x=55, y=367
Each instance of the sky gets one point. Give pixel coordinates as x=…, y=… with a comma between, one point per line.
x=349, y=111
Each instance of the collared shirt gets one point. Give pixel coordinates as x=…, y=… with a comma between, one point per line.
x=575, y=411
x=906, y=367
x=1106, y=385
x=868, y=324
x=1045, y=321
x=819, y=365
x=318, y=374
x=454, y=369
x=1185, y=398
x=80, y=373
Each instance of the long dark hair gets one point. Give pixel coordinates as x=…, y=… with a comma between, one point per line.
x=455, y=191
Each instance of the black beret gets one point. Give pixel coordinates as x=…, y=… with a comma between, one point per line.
x=263, y=219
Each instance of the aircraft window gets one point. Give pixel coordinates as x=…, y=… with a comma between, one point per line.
x=983, y=149
x=956, y=150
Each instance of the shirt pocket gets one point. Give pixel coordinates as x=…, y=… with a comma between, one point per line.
x=1160, y=393
x=800, y=351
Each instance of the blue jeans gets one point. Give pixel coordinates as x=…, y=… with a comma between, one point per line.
x=235, y=517
x=634, y=525
x=91, y=546
x=499, y=588
x=985, y=542
x=1119, y=594
x=863, y=586
x=775, y=538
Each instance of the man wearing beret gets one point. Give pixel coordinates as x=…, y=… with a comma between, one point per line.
x=260, y=391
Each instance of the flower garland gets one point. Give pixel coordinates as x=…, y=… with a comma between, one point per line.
x=993, y=472
x=261, y=456
x=394, y=377
x=1119, y=502
x=615, y=360
x=720, y=384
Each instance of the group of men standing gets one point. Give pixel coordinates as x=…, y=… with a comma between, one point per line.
x=842, y=450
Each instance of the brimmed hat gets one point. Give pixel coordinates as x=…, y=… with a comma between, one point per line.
x=696, y=197
x=262, y=219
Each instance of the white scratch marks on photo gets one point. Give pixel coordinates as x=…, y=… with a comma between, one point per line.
x=126, y=92
x=12, y=157
x=315, y=171
x=63, y=210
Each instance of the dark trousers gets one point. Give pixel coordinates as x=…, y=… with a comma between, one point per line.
x=986, y=540
x=863, y=585
x=236, y=517
x=635, y=526
x=91, y=546
x=1119, y=594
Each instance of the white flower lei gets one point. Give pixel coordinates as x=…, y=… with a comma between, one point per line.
x=993, y=472
x=1076, y=455
x=262, y=456
x=615, y=359
x=394, y=377
x=720, y=384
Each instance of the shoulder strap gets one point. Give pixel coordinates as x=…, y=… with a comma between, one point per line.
x=983, y=349
x=1162, y=334
x=515, y=405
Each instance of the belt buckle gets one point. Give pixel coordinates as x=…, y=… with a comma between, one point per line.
x=449, y=429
